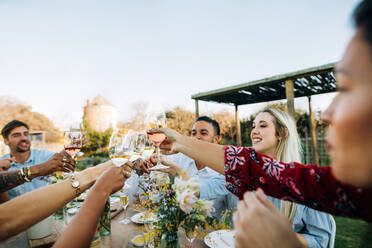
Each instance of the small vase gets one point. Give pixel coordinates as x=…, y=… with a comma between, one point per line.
x=170, y=240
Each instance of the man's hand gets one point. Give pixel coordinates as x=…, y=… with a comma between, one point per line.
x=58, y=162
x=141, y=166
x=6, y=163
x=258, y=223
x=173, y=167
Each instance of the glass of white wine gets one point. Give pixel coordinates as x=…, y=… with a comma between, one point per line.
x=148, y=220
x=121, y=146
x=191, y=235
x=148, y=149
x=124, y=200
x=139, y=145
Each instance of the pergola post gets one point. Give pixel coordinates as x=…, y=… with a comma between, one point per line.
x=238, y=131
x=289, y=92
x=196, y=109
x=313, y=133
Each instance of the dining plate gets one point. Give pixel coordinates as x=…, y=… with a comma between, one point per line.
x=139, y=218
x=138, y=239
x=220, y=239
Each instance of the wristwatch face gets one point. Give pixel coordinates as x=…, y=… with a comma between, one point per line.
x=75, y=184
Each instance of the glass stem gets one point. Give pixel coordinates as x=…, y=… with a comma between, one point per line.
x=158, y=154
x=125, y=212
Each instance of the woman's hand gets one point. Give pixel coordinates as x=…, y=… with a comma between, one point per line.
x=114, y=178
x=169, y=145
x=258, y=223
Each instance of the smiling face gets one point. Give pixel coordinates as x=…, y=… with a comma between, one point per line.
x=203, y=130
x=349, y=136
x=19, y=140
x=263, y=134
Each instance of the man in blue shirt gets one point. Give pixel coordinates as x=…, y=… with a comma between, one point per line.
x=205, y=129
x=34, y=164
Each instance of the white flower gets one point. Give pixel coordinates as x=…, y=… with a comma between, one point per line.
x=186, y=200
x=204, y=206
x=181, y=185
x=185, y=193
x=193, y=185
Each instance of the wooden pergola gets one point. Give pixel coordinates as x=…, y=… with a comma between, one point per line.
x=303, y=83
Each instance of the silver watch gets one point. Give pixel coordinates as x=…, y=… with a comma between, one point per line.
x=75, y=185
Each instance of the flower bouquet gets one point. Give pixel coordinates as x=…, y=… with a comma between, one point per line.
x=177, y=206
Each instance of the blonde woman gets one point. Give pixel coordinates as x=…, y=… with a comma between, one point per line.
x=274, y=134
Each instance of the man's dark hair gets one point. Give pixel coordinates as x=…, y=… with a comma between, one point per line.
x=10, y=126
x=363, y=19
x=214, y=123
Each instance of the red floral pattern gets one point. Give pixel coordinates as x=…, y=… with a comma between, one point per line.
x=309, y=185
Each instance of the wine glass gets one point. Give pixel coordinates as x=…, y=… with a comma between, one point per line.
x=73, y=142
x=121, y=146
x=121, y=150
x=148, y=221
x=124, y=199
x=191, y=235
x=139, y=145
x=157, y=120
x=148, y=148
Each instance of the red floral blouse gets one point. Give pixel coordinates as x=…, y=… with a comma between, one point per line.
x=309, y=185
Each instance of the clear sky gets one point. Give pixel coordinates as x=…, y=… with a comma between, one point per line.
x=54, y=55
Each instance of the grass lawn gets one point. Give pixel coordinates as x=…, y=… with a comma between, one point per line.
x=353, y=233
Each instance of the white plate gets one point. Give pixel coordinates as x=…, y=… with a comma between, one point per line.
x=138, y=218
x=159, y=167
x=220, y=239
x=114, y=200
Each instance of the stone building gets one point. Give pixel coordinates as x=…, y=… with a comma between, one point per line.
x=100, y=113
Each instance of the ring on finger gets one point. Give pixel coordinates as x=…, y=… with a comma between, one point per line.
x=64, y=164
x=64, y=159
x=126, y=174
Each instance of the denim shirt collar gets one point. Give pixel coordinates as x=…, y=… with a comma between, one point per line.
x=28, y=161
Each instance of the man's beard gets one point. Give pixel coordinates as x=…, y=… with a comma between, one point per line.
x=22, y=151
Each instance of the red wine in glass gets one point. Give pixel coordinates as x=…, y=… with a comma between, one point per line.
x=73, y=150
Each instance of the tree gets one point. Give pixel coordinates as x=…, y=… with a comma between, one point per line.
x=13, y=109
x=181, y=120
x=227, y=126
x=98, y=141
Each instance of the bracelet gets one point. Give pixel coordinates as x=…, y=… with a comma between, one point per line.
x=29, y=173
x=24, y=173
x=21, y=174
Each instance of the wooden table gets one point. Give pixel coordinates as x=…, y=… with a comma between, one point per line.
x=122, y=234
x=120, y=237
